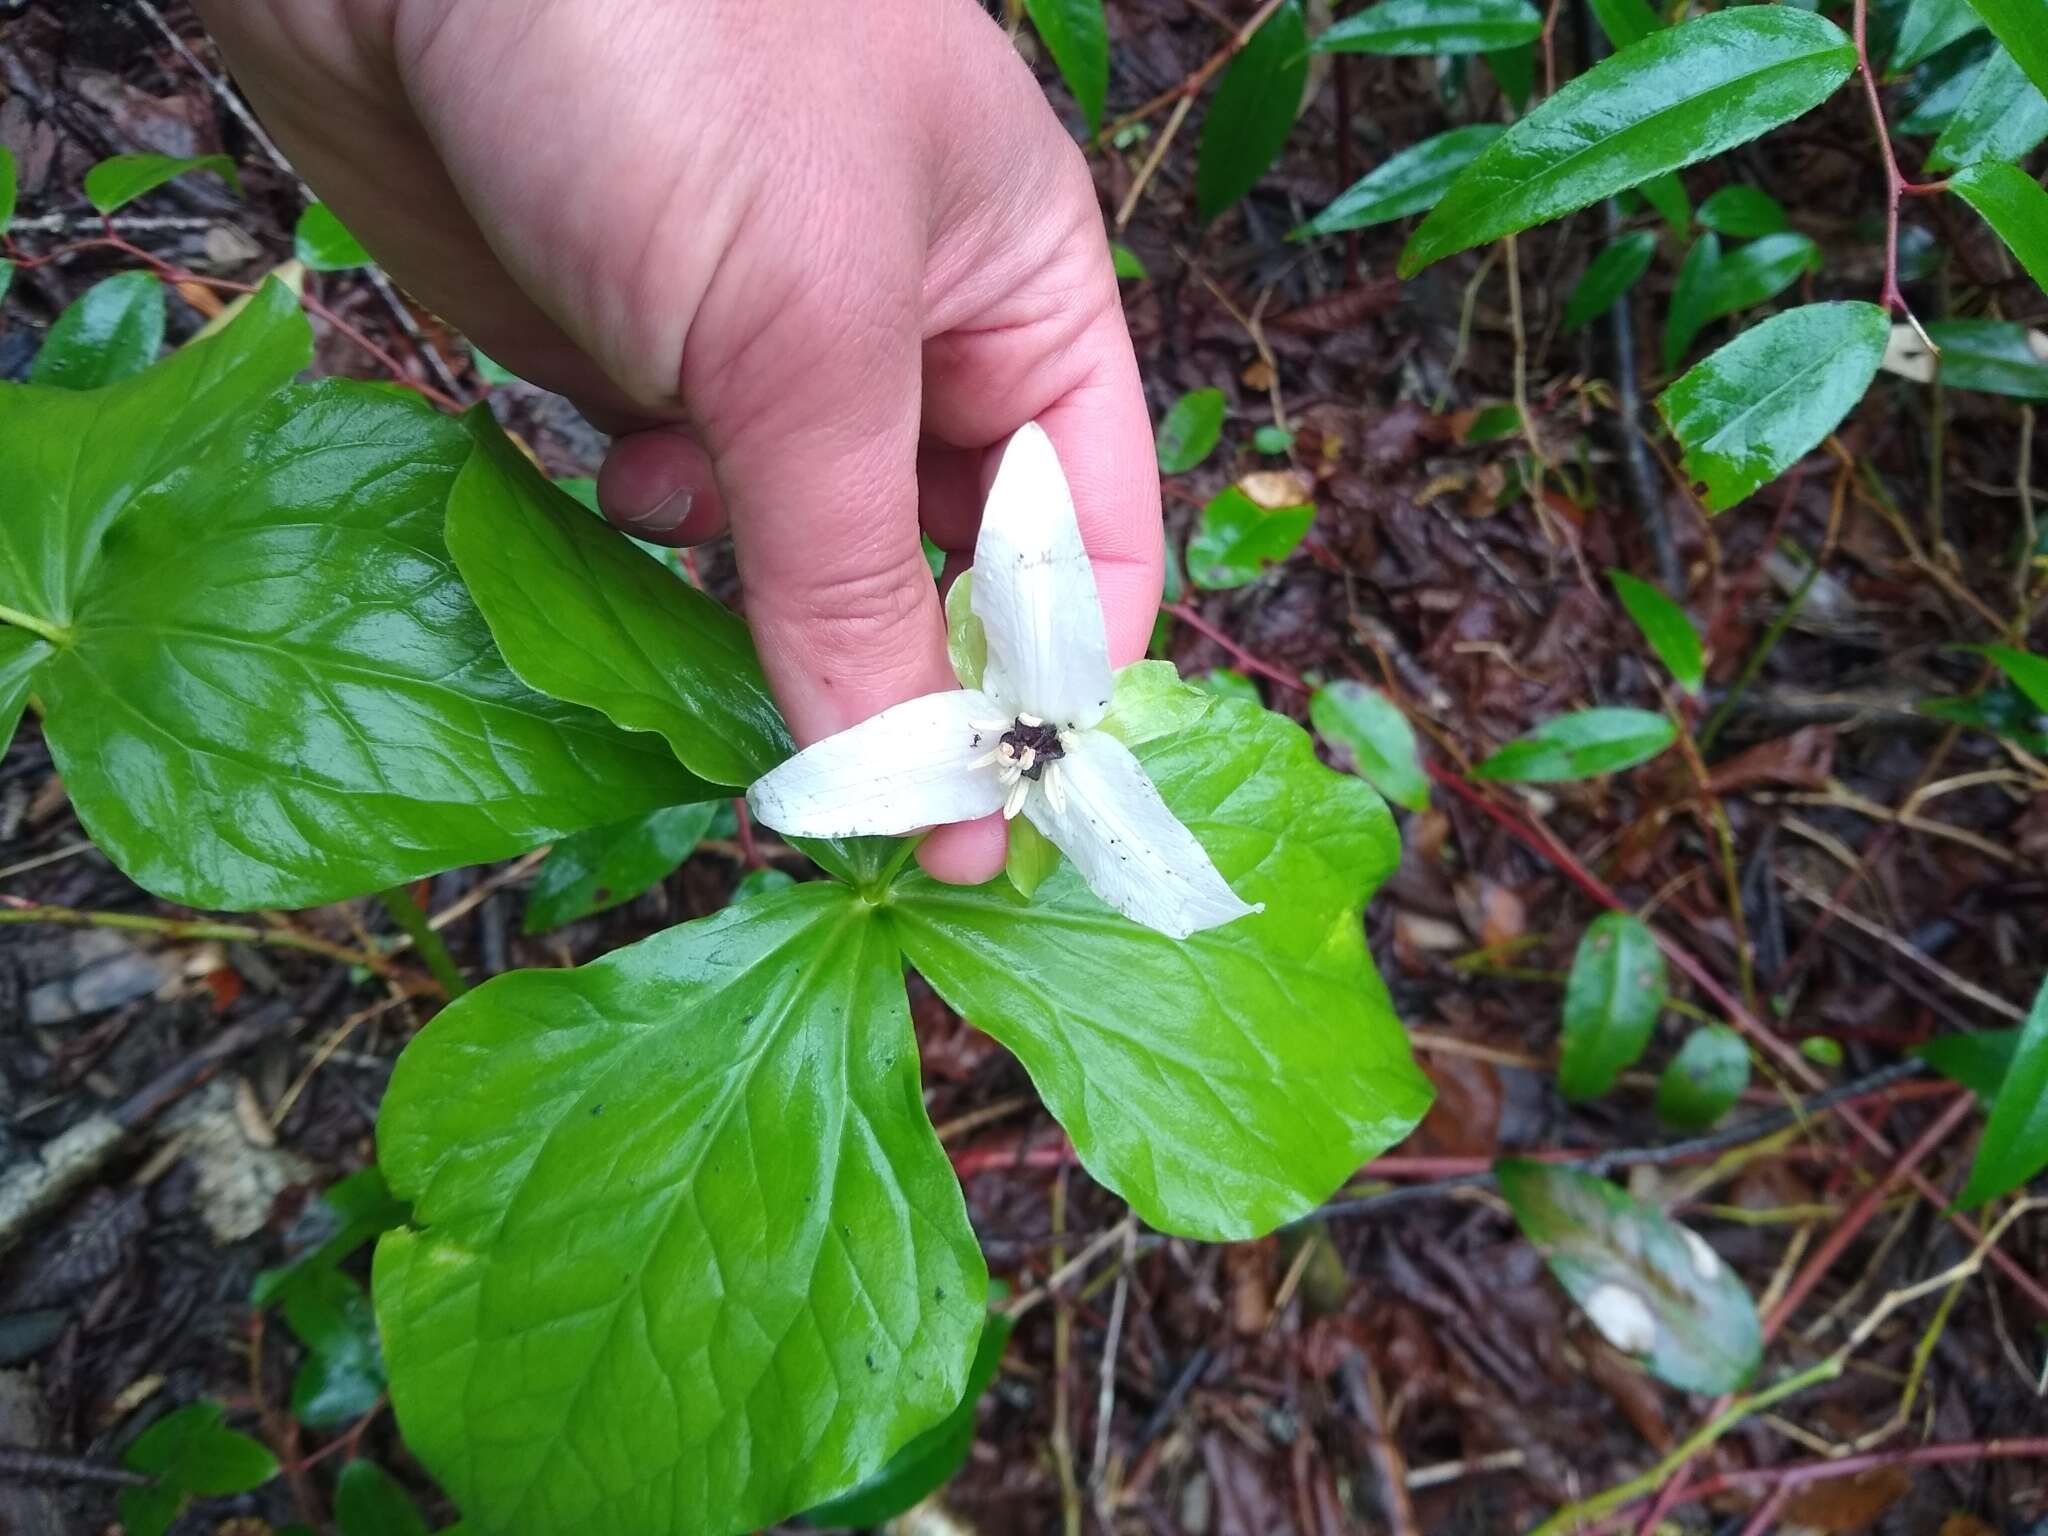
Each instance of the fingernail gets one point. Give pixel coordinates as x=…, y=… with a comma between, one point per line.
x=665, y=516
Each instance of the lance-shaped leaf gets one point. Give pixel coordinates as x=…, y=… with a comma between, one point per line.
x=2015, y=1145
x=1581, y=745
x=1751, y=410
x=1224, y=1084
x=2014, y=205
x=1409, y=182
x=689, y=1255
x=1743, y=211
x=120, y=179
x=2003, y=116
x=1618, y=268
x=1433, y=26
x=1665, y=625
x=1253, y=110
x=1929, y=26
x=1679, y=96
x=1998, y=357
x=1626, y=21
x=2028, y=672
x=1611, y=1002
x=1077, y=37
x=110, y=332
x=2022, y=27
x=1741, y=279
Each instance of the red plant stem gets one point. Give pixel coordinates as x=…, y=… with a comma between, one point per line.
x=1802, y=1473
x=1896, y=186
x=1766, y=1516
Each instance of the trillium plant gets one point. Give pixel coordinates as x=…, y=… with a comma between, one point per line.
x=685, y=1253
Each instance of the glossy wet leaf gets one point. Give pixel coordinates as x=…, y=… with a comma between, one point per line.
x=1979, y=1062
x=1995, y=356
x=1937, y=89
x=1704, y=1079
x=1408, y=182
x=1225, y=1084
x=1227, y=683
x=110, y=332
x=1692, y=298
x=1189, y=433
x=1665, y=625
x=1746, y=276
x=369, y=1502
x=1077, y=37
x=1626, y=21
x=1370, y=727
x=2004, y=116
x=2015, y=207
x=2022, y=27
x=582, y=616
x=1612, y=998
x=1629, y=1264
x=324, y=244
x=1750, y=411
x=723, y=1271
x=1236, y=539
x=598, y=869
x=1929, y=26
x=1611, y=274
x=1679, y=96
x=1253, y=111
x=1582, y=745
x=2015, y=1144
x=120, y=179
x=20, y=654
x=1433, y=26
x=757, y=883
x=1743, y=211
x=342, y=1376
x=2028, y=672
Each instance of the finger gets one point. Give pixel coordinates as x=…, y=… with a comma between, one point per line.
x=658, y=485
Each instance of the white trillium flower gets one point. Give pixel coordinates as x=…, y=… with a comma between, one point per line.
x=1028, y=739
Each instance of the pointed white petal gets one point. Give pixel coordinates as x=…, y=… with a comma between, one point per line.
x=1034, y=592
x=1128, y=846
x=907, y=768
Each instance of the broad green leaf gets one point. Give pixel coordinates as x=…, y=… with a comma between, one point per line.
x=1751, y=410
x=10, y=185
x=1618, y=268
x=1928, y=27
x=342, y=1377
x=1078, y=39
x=689, y=1256
x=1433, y=26
x=1580, y=746
x=1667, y=628
x=1126, y=261
x=192, y=1450
x=1743, y=211
x=2003, y=117
x=1409, y=182
x=1626, y=21
x=1979, y=1062
x=1745, y=277
x=1225, y=1084
x=1150, y=701
x=1692, y=298
x=1237, y=538
x=356, y=1210
x=1611, y=1002
x=935, y=1457
x=1704, y=1079
x=20, y=654
x=1679, y=96
x=757, y=883
x=2028, y=672
x=1227, y=683
x=2002, y=711
x=2022, y=27
x=1935, y=92
x=605, y=866
x=580, y=615
x=369, y=1502
x=1031, y=857
x=1189, y=433
x=1995, y=356
x=1370, y=726
x=1652, y=1288
x=2015, y=1144
x=1515, y=70
x=1252, y=111
x=324, y=244
x=2014, y=205
x=120, y=179
x=110, y=332
x=149, y=1511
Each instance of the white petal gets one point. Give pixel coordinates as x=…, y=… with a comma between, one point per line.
x=894, y=773
x=1034, y=592
x=1128, y=846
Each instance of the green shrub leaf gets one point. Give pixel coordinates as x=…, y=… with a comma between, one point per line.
x=10, y=185
x=1618, y=268
x=342, y=1377
x=192, y=1453
x=1409, y=182
x=1077, y=37
x=1253, y=111
x=1190, y=431
x=1929, y=26
x=369, y=1502
x=1611, y=1002
x=120, y=179
x=1979, y=1062
x=1704, y=1079
x=1751, y=410
x=1665, y=626
x=1626, y=21
x=110, y=332
x=1237, y=538
x=2015, y=1144
x=323, y=243
x=1433, y=26
x=2014, y=205
x=2028, y=672
x=1581, y=746
x=1681, y=95
x=1726, y=284
x=599, y=869
x=1371, y=728
x=1743, y=211
x=2003, y=116
x=1995, y=356
x=2022, y=27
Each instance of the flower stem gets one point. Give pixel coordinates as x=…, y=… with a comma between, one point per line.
x=398, y=901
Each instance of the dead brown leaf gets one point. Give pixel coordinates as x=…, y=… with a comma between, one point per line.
x=1803, y=760
x=1846, y=1504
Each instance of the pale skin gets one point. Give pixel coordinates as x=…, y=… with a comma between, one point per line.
x=808, y=263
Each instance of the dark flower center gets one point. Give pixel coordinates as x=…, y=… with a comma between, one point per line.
x=1041, y=740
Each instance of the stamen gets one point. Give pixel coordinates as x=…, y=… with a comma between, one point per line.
x=1030, y=720
x=1026, y=758
x=1015, y=803
x=1012, y=773
x=986, y=759
x=1055, y=791
x=1009, y=750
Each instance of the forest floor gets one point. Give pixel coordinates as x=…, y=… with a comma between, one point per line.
x=1400, y=1364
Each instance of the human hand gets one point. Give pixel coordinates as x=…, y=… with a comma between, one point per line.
x=809, y=264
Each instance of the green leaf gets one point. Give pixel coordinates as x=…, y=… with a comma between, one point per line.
x=1189, y=433
x=1618, y=268
x=582, y=616
x=1253, y=111
x=193, y=1451
x=1031, y=858
x=1692, y=299
x=149, y=1511
x=1937, y=89
x=1750, y=411
x=110, y=332
x=2015, y=207
x=1679, y=96
x=2003, y=117
x=1493, y=423
x=2015, y=1144
x=1704, y=1079
x=1078, y=39
x=966, y=640
x=1979, y=1062
x=757, y=883
x=1225, y=1084
x=1666, y=194
x=1150, y=701
x=1228, y=683
x=1433, y=26
x=342, y=1377
x=1822, y=1050
x=1743, y=211
x=10, y=185
x=2022, y=26
x=1515, y=70
x=690, y=1257
x=1126, y=261
x=1410, y=182
x=1611, y=1002
x=2029, y=673
x=1371, y=728
x=605, y=866
x=322, y=242
x=120, y=179
x=357, y=1209
x=494, y=373
x=369, y=1502
x=1995, y=356
x=1653, y=1288
x=935, y=1457
x=1741, y=279
x=1928, y=27
x=1626, y=21
x=1580, y=746
x=1271, y=439
x=1237, y=538
x=2002, y=711
x=20, y=654
x=1666, y=627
